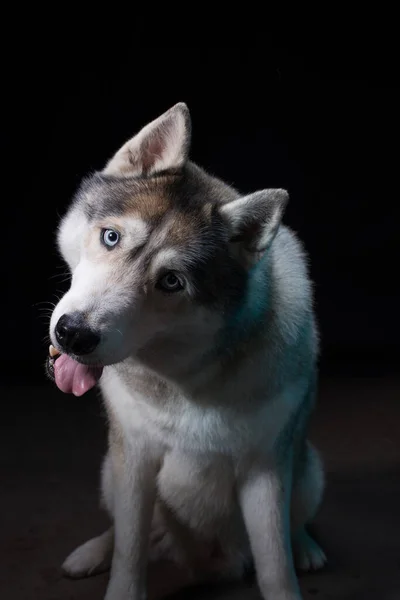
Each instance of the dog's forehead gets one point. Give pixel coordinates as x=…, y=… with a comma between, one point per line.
x=158, y=203
x=116, y=197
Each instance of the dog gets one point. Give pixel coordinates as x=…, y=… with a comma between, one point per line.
x=192, y=307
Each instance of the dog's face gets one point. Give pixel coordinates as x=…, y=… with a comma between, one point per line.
x=159, y=251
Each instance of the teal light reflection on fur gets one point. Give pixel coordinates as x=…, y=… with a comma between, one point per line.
x=252, y=310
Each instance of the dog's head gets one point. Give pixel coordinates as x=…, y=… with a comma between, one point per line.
x=159, y=251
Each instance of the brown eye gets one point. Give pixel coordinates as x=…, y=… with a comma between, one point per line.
x=170, y=282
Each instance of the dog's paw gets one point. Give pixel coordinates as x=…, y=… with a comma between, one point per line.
x=91, y=558
x=308, y=556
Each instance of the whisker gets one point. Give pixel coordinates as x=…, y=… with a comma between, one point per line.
x=66, y=276
x=52, y=304
x=45, y=319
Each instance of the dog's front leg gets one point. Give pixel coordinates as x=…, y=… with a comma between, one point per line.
x=265, y=501
x=134, y=472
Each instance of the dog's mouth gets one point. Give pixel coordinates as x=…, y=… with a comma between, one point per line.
x=71, y=376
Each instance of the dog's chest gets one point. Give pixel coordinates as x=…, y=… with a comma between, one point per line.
x=198, y=489
x=164, y=414
x=171, y=419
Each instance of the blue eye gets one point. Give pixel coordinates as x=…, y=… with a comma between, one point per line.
x=110, y=237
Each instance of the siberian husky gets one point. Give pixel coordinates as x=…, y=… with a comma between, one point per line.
x=192, y=307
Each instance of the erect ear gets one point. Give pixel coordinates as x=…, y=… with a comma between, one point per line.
x=254, y=220
x=162, y=144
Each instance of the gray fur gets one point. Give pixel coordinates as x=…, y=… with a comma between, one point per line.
x=209, y=392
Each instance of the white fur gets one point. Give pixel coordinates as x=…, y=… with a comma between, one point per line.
x=169, y=256
x=138, y=230
x=210, y=439
x=70, y=236
x=92, y=557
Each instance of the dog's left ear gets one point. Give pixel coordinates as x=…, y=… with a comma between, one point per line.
x=160, y=145
x=254, y=219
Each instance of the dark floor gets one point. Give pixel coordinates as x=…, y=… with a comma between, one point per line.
x=51, y=451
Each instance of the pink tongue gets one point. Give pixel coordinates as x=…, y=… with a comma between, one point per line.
x=74, y=378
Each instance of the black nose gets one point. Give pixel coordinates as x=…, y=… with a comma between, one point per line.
x=74, y=335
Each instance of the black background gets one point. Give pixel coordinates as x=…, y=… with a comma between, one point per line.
x=323, y=124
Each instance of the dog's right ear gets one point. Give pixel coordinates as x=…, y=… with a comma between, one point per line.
x=161, y=145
